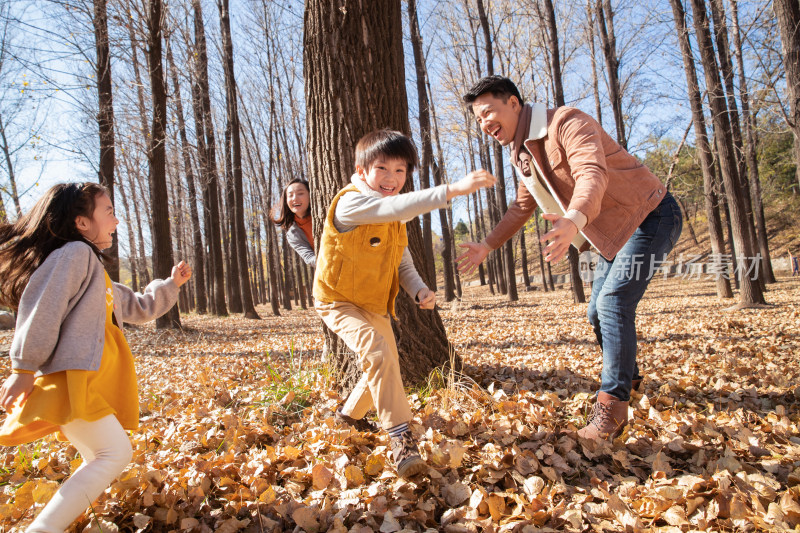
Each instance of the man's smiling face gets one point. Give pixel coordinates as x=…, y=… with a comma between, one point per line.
x=497, y=118
x=387, y=176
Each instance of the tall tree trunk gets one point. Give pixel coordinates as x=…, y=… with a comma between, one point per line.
x=234, y=287
x=199, y=276
x=105, y=117
x=427, y=161
x=788, y=14
x=265, y=201
x=541, y=252
x=353, y=62
x=726, y=69
x=440, y=177
x=593, y=56
x=502, y=204
x=129, y=224
x=156, y=156
x=425, y=137
x=750, y=292
x=213, y=234
x=578, y=295
x=522, y=246
x=704, y=150
x=480, y=231
x=287, y=274
x=750, y=151
x=605, y=23
x=240, y=236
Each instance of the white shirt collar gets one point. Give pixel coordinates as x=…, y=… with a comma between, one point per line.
x=538, y=129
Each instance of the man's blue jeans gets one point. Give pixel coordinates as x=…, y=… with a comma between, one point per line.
x=617, y=288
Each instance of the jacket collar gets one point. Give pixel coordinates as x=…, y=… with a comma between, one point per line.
x=363, y=188
x=538, y=128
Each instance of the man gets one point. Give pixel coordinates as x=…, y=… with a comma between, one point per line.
x=595, y=194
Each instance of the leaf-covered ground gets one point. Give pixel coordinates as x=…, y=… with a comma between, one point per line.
x=237, y=430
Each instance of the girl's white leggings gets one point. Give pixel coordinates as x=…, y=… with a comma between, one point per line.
x=106, y=451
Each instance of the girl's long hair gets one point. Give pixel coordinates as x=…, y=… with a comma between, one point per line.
x=285, y=217
x=49, y=225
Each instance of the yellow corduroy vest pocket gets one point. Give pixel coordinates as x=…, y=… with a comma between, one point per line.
x=375, y=261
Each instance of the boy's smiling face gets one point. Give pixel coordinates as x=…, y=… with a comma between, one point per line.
x=387, y=176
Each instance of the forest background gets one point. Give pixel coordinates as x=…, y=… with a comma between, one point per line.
x=196, y=113
x=626, y=69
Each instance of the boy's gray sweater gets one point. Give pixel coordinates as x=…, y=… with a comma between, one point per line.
x=62, y=312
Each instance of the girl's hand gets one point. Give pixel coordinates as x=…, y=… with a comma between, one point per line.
x=181, y=273
x=426, y=298
x=16, y=387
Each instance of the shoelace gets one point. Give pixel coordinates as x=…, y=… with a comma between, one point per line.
x=404, y=446
x=601, y=413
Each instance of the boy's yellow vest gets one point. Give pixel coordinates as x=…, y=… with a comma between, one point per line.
x=360, y=266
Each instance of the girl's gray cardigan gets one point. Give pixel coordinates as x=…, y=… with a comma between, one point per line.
x=61, y=316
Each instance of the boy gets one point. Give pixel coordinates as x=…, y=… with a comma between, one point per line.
x=362, y=262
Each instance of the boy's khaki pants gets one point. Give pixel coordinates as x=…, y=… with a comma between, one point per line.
x=371, y=337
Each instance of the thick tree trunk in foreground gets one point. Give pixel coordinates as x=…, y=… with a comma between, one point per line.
x=156, y=156
x=355, y=83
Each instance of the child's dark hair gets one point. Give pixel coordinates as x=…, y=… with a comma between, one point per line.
x=497, y=86
x=386, y=144
x=285, y=217
x=49, y=225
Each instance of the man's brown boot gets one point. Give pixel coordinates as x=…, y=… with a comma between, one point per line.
x=609, y=416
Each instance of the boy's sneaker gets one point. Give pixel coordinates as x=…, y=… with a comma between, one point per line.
x=406, y=455
x=360, y=424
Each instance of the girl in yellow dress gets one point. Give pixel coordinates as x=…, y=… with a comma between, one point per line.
x=73, y=371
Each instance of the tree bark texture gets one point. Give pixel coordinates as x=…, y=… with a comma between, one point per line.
x=211, y=181
x=355, y=83
x=578, y=294
x=240, y=236
x=156, y=156
x=201, y=297
x=605, y=24
x=704, y=149
x=750, y=151
x=425, y=139
x=105, y=117
x=788, y=15
x=750, y=289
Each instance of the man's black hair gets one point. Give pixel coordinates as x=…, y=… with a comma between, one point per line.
x=497, y=86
